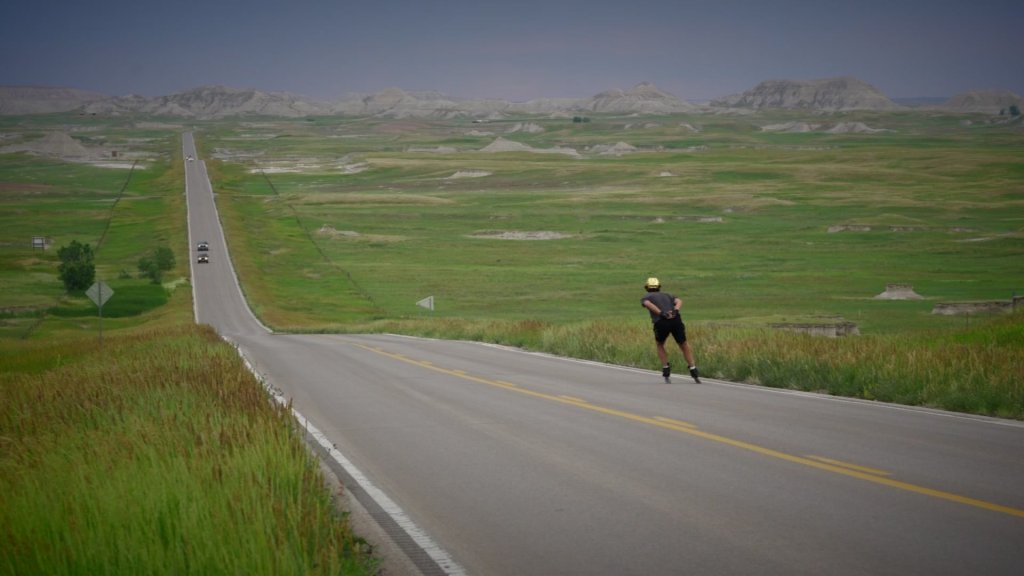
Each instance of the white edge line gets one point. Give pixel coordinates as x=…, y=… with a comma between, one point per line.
x=431, y=548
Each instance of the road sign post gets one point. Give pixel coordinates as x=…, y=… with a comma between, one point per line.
x=99, y=293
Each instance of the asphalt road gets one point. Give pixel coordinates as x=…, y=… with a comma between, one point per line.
x=517, y=463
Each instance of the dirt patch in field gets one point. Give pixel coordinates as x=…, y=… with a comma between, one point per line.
x=528, y=127
x=469, y=174
x=310, y=166
x=893, y=228
x=24, y=187
x=330, y=232
x=520, y=235
x=995, y=237
x=617, y=149
x=328, y=198
x=736, y=202
x=848, y=228
x=980, y=307
x=118, y=165
x=238, y=156
x=435, y=150
x=826, y=329
x=705, y=219
x=502, y=145
x=899, y=292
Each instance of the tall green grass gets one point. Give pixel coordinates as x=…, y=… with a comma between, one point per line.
x=977, y=369
x=159, y=454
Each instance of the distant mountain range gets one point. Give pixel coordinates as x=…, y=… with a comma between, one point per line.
x=827, y=95
x=17, y=100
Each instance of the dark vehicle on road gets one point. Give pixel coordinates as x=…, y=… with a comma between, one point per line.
x=203, y=246
x=203, y=259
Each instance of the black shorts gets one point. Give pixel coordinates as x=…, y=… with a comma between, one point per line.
x=675, y=327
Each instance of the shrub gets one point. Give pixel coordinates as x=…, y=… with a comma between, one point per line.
x=77, y=270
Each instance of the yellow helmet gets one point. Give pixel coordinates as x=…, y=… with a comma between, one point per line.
x=652, y=283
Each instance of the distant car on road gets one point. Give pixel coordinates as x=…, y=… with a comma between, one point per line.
x=203, y=259
x=190, y=158
x=203, y=246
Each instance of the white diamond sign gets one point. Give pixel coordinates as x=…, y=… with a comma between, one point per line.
x=99, y=293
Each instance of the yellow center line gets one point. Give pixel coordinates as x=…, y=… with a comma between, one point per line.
x=674, y=422
x=834, y=466
x=874, y=471
x=573, y=399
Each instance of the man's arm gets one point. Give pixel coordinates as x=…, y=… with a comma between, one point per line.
x=663, y=313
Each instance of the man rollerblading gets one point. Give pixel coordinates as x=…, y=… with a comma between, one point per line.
x=664, y=310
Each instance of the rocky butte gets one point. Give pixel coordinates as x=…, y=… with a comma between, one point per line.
x=828, y=94
x=210, y=102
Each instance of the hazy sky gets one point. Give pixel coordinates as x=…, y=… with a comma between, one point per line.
x=512, y=49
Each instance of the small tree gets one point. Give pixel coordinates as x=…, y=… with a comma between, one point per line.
x=154, y=266
x=164, y=257
x=1014, y=110
x=148, y=268
x=76, y=269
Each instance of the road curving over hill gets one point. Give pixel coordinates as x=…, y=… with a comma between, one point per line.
x=481, y=459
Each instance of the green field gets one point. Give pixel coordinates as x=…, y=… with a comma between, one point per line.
x=743, y=227
x=343, y=225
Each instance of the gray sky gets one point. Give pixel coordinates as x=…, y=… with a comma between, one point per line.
x=511, y=49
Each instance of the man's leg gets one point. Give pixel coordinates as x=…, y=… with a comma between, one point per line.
x=662, y=353
x=684, y=347
x=687, y=353
x=666, y=370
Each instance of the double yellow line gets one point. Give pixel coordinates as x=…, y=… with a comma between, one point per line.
x=821, y=463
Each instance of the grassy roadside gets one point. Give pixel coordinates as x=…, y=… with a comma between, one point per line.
x=158, y=454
